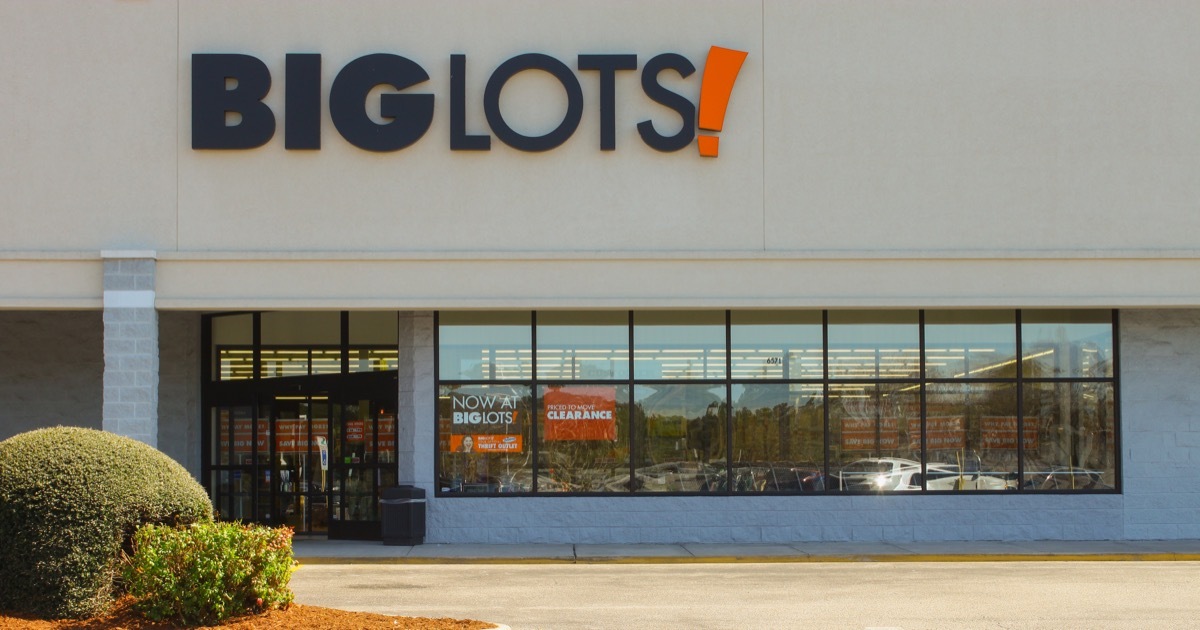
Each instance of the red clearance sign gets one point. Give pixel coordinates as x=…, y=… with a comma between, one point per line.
x=584, y=413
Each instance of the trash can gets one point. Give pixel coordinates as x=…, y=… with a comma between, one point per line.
x=403, y=510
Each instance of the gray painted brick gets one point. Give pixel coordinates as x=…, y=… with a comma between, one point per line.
x=943, y=532
x=1161, y=501
x=1188, y=440
x=1155, y=532
x=1017, y=532
x=116, y=348
x=1163, y=516
x=1188, y=530
x=837, y=533
x=1090, y=532
x=899, y=534
x=119, y=282
x=118, y=409
x=866, y=533
x=136, y=395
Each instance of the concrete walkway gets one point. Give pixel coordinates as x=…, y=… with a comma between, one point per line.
x=321, y=551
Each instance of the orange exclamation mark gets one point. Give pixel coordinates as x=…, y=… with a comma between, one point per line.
x=720, y=71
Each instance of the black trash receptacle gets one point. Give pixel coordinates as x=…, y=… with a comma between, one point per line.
x=403, y=510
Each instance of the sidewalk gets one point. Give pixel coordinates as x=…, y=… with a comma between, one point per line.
x=321, y=551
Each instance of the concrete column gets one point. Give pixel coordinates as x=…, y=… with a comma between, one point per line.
x=130, y=346
x=418, y=401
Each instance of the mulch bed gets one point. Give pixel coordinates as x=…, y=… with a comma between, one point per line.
x=124, y=617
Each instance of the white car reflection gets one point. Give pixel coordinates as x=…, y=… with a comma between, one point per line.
x=680, y=476
x=895, y=474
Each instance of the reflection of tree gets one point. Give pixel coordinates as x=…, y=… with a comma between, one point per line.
x=681, y=423
x=706, y=434
x=784, y=432
x=1074, y=426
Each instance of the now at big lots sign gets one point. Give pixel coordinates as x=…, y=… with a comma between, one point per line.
x=229, y=112
x=485, y=423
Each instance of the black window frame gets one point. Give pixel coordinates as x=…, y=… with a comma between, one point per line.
x=922, y=381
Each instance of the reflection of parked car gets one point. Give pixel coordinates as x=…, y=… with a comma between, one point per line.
x=671, y=477
x=885, y=474
x=522, y=481
x=778, y=477
x=1066, y=478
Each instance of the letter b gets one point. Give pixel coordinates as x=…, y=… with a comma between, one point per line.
x=213, y=96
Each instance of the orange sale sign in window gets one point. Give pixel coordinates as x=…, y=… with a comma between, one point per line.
x=486, y=443
x=586, y=412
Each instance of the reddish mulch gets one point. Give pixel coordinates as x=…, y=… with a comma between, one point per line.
x=124, y=617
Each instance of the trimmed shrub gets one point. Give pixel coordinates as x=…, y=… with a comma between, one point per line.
x=209, y=572
x=70, y=501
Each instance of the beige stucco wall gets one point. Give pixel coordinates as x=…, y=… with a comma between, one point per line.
x=899, y=154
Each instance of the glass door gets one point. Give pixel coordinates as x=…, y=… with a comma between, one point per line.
x=364, y=449
x=300, y=459
x=232, y=437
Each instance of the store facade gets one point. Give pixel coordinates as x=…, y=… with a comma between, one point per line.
x=936, y=280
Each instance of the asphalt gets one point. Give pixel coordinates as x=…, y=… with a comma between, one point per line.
x=322, y=551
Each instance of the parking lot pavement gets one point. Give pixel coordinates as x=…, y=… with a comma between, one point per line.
x=1033, y=594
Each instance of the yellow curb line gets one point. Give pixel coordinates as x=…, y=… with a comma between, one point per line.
x=977, y=557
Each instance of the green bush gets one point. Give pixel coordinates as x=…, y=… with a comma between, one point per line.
x=209, y=572
x=70, y=500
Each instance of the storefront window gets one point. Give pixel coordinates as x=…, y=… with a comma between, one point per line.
x=779, y=437
x=1066, y=344
x=971, y=433
x=776, y=345
x=583, y=438
x=775, y=401
x=232, y=347
x=874, y=344
x=485, y=346
x=680, y=438
x=483, y=435
x=300, y=344
x=970, y=344
x=875, y=429
x=575, y=345
x=679, y=345
x=1075, y=430
x=374, y=339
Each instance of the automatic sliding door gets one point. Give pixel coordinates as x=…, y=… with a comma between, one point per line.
x=302, y=460
x=232, y=431
x=365, y=456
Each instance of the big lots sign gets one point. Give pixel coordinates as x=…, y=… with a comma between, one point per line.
x=225, y=84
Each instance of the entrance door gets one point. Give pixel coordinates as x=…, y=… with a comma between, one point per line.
x=364, y=461
x=301, y=459
x=239, y=493
x=312, y=452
